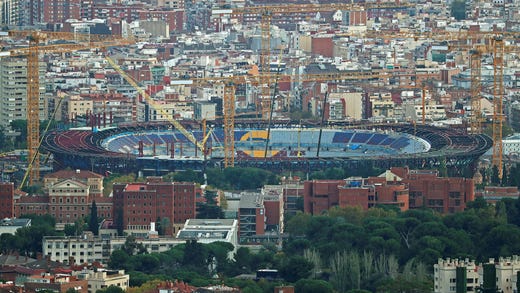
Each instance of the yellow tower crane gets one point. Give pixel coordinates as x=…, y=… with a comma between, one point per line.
x=266, y=13
x=41, y=42
x=229, y=95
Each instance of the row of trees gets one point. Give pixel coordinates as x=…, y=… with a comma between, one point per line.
x=345, y=250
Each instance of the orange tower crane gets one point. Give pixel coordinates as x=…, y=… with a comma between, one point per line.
x=40, y=42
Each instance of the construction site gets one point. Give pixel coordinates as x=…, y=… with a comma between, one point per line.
x=379, y=95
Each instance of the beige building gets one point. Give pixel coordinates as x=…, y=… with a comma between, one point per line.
x=164, y=111
x=93, y=180
x=413, y=110
x=305, y=43
x=382, y=105
x=353, y=104
x=73, y=106
x=102, y=279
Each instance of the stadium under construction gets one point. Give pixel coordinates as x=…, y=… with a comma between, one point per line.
x=157, y=148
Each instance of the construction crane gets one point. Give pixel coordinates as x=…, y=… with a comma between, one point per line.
x=41, y=42
x=230, y=86
x=494, y=45
x=478, y=43
x=266, y=14
x=151, y=102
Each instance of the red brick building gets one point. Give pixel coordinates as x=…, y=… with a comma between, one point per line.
x=442, y=194
x=321, y=195
x=323, y=45
x=367, y=193
x=136, y=205
x=58, y=11
x=492, y=194
x=6, y=200
x=400, y=187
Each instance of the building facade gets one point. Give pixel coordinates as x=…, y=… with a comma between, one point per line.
x=251, y=215
x=137, y=205
x=102, y=279
x=451, y=274
x=13, y=90
x=442, y=194
x=6, y=200
x=88, y=248
x=69, y=195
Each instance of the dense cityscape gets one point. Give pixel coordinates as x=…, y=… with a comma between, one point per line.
x=259, y=146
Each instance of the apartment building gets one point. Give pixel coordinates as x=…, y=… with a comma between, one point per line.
x=459, y=276
x=13, y=90
x=400, y=187
x=88, y=248
x=102, y=279
x=455, y=276
x=251, y=215
x=321, y=195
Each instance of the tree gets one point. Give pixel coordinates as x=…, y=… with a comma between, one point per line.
x=118, y=260
x=313, y=286
x=131, y=246
x=296, y=268
x=195, y=257
x=458, y=9
x=93, y=224
x=111, y=289
x=344, y=272
x=7, y=143
x=20, y=126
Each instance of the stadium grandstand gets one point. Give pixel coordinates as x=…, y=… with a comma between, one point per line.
x=156, y=148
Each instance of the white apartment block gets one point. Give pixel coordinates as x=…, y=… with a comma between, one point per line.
x=506, y=271
x=445, y=275
x=102, y=279
x=88, y=249
x=446, y=278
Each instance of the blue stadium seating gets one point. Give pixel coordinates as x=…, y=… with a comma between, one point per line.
x=342, y=137
x=361, y=137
